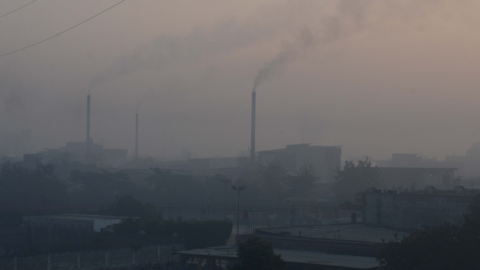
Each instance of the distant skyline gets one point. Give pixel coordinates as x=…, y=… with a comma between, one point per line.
x=375, y=77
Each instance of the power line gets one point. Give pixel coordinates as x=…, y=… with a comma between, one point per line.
x=66, y=30
x=1, y=16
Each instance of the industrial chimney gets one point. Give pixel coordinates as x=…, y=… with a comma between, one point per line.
x=136, y=135
x=252, y=139
x=87, y=143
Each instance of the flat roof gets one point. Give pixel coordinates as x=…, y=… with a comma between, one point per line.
x=293, y=256
x=294, y=148
x=350, y=232
x=418, y=168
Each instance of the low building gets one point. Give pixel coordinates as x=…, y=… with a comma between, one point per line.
x=416, y=178
x=325, y=159
x=429, y=207
x=76, y=152
x=69, y=230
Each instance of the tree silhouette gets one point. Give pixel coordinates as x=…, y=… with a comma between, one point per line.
x=272, y=179
x=444, y=247
x=355, y=178
x=256, y=253
x=303, y=183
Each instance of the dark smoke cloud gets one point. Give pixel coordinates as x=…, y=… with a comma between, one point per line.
x=169, y=51
x=350, y=18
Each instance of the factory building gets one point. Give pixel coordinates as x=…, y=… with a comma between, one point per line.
x=325, y=159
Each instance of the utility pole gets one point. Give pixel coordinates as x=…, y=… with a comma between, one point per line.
x=238, y=189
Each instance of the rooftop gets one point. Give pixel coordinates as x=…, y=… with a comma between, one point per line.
x=293, y=256
x=296, y=147
x=419, y=168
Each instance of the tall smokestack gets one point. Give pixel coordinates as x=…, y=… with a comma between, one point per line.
x=87, y=143
x=136, y=135
x=252, y=139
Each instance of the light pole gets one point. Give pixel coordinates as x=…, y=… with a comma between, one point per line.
x=238, y=189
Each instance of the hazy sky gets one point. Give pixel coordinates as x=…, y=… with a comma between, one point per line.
x=376, y=77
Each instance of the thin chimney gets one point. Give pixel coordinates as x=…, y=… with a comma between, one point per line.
x=252, y=139
x=136, y=135
x=87, y=143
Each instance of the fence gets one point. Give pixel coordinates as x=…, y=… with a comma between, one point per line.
x=93, y=259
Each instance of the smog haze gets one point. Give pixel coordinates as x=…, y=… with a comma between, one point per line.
x=375, y=77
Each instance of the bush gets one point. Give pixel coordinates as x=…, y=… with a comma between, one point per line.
x=196, y=234
x=256, y=253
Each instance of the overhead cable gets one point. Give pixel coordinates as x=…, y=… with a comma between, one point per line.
x=1, y=16
x=66, y=30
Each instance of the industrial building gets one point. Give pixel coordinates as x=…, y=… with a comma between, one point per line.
x=325, y=159
x=76, y=152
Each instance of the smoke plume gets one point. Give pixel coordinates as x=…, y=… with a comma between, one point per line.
x=348, y=19
x=170, y=51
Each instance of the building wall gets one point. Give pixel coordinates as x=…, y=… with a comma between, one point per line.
x=404, y=211
x=416, y=178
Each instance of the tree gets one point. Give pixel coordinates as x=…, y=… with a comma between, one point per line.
x=272, y=179
x=128, y=206
x=175, y=188
x=304, y=182
x=40, y=186
x=101, y=188
x=258, y=254
x=444, y=247
x=353, y=179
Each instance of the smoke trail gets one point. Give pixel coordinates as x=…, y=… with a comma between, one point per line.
x=349, y=19
x=271, y=67
x=178, y=51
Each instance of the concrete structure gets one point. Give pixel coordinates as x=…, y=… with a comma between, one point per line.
x=65, y=230
x=416, y=178
x=430, y=207
x=326, y=159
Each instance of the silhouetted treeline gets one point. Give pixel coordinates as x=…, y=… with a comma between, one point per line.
x=196, y=234
x=20, y=186
x=444, y=247
x=268, y=184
